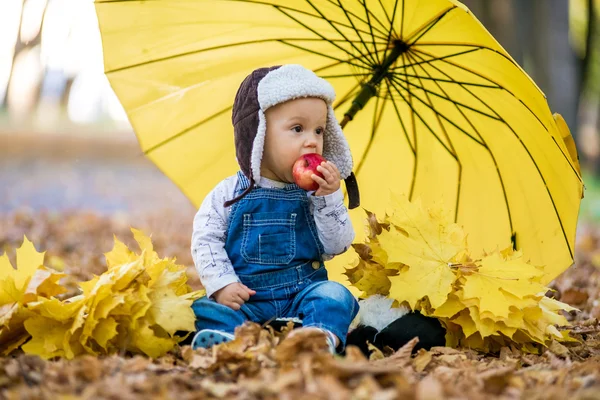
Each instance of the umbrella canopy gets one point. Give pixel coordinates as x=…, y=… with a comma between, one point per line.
x=437, y=108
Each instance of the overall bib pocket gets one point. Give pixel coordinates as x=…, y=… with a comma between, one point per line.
x=269, y=238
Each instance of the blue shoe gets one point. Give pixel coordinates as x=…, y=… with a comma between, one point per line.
x=207, y=338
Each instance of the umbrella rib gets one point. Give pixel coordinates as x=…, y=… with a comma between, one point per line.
x=279, y=8
x=335, y=64
x=325, y=55
x=461, y=83
x=499, y=87
x=444, y=59
x=401, y=122
x=360, y=19
x=187, y=130
x=349, y=95
x=460, y=167
x=433, y=59
x=189, y=53
x=448, y=81
x=530, y=157
x=377, y=115
x=375, y=17
x=401, y=83
x=397, y=79
x=427, y=27
x=459, y=109
x=414, y=129
x=423, y=121
x=366, y=65
x=391, y=22
x=367, y=12
x=402, y=20
x=568, y=158
x=344, y=75
x=357, y=31
x=341, y=34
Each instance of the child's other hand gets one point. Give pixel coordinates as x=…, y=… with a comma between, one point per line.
x=331, y=183
x=233, y=295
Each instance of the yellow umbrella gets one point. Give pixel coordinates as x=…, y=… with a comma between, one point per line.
x=438, y=109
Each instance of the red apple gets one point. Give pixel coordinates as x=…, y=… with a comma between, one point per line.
x=303, y=169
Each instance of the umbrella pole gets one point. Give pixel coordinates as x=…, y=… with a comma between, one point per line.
x=345, y=121
x=371, y=88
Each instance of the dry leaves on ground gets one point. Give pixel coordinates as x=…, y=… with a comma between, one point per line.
x=260, y=365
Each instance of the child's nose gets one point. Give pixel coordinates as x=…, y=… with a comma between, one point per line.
x=311, y=141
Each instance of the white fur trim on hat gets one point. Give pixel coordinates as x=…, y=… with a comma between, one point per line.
x=291, y=82
x=258, y=146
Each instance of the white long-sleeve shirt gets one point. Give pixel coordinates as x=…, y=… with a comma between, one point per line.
x=212, y=220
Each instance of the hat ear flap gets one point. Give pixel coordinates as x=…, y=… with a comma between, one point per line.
x=337, y=150
x=352, y=190
x=335, y=146
x=258, y=146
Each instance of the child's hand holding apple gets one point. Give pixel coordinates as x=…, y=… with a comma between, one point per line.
x=312, y=172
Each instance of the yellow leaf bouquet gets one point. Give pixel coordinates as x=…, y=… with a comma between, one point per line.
x=138, y=305
x=419, y=257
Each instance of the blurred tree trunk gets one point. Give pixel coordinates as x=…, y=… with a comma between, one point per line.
x=499, y=17
x=555, y=63
x=18, y=48
x=589, y=101
x=536, y=34
x=21, y=46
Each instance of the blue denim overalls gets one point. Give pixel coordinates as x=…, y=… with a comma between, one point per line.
x=274, y=247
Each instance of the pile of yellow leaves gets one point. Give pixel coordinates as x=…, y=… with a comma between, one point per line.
x=420, y=258
x=137, y=305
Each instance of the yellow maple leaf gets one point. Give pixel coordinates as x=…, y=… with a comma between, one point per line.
x=19, y=287
x=476, y=342
x=47, y=337
x=13, y=282
x=451, y=307
x=9, y=294
x=56, y=309
x=500, y=284
x=145, y=340
x=43, y=282
x=119, y=255
x=427, y=243
x=12, y=331
x=105, y=330
x=370, y=278
x=171, y=312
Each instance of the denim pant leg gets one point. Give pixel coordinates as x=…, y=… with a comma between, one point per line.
x=212, y=315
x=327, y=305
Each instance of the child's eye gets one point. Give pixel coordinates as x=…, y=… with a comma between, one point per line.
x=297, y=128
x=320, y=131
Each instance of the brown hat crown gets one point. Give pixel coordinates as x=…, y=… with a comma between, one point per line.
x=245, y=117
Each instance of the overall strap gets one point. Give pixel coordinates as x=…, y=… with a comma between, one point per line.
x=243, y=181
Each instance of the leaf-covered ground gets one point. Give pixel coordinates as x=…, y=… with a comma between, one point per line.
x=260, y=365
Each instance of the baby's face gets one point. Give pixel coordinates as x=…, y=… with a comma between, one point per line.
x=294, y=128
